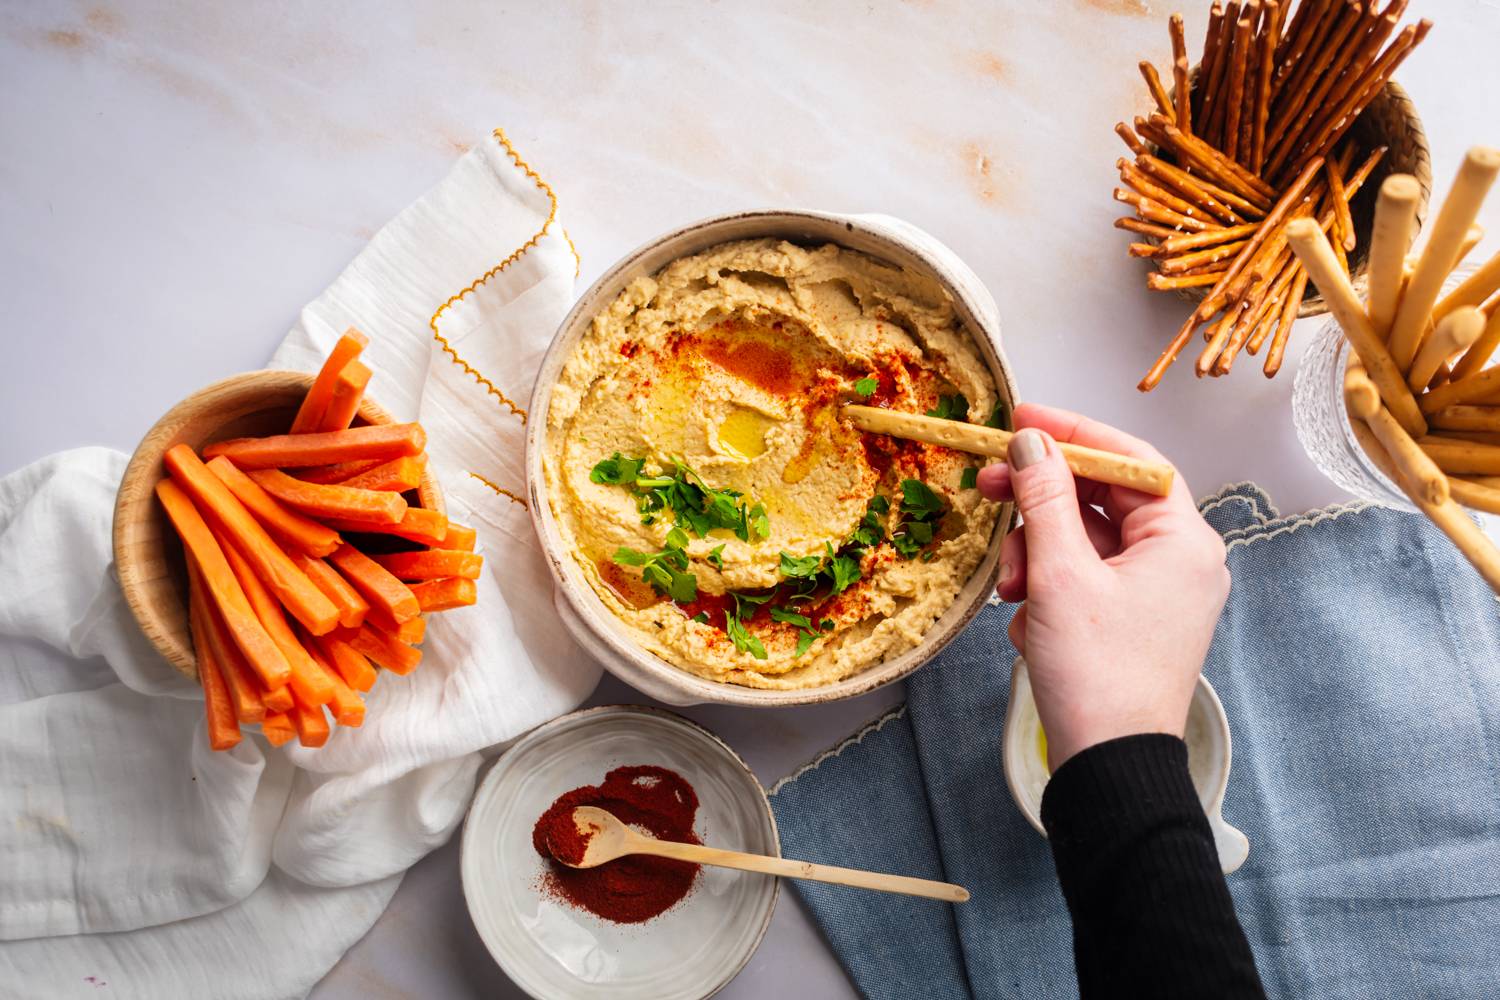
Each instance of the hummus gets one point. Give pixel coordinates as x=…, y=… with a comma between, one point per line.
x=712, y=496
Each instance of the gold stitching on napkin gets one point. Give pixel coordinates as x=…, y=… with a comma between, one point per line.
x=499, y=489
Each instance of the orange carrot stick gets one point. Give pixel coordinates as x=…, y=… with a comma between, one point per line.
x=348, y=663
x=338, y=472
x=272, y=565
x=315, y=403
x=440, y=595
x=383, y=648
x=382, y=441
x=432, y=564
x=279, y=700
x=311, y=723
x=352, y=607
x=411, y=631
x=306, y=683
x=347, y=392
x=244, y=691
x=418, y=525
x=459, y=537
x=239, y=618
x=347, y=706
x=278, y=728
x=379, y=587
x=223, y=728
x=332, y=501
x=289, y=526
x=400, y=475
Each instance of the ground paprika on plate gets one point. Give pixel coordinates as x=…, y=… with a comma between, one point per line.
x=634, y=888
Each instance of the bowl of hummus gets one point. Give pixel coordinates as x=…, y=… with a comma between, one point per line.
x=717, y=531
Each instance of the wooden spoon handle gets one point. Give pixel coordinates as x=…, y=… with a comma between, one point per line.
x=801, y=869
x=1101, y=466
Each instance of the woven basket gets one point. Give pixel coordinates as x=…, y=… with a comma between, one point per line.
x=1389, y=120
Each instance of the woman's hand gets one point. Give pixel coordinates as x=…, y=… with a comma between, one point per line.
x=1120, y=604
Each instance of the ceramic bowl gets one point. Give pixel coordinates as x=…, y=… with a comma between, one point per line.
x=550, y=949
x=586, y=617
x=1207, y=738
x=148, y=556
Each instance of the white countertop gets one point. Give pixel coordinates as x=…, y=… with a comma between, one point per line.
x=163, y=163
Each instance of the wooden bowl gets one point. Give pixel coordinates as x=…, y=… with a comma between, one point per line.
x=1390, y=120
x=148, y=555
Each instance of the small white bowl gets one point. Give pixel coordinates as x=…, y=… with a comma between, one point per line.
x=550, y=949
x=585, y=616
x=1207, y=738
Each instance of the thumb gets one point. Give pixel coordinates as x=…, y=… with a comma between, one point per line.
x=1048, y=499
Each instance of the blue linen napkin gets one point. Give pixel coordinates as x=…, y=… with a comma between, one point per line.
x=1359, y=662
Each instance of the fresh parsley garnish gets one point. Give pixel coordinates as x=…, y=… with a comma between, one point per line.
x=666, y=571
x=969, y=478
x=682, y=491
x=716, y=557
x=954, y=407
x=742, y=639
x=922, y=513
x=616, y=470
x=799, y=567
x=866, y=387
x=998, y=415
x=805, y=640
x=791, y=618
x=701, y=618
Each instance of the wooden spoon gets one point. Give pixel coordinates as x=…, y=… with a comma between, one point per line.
x=609, y=839
x=1090, y=463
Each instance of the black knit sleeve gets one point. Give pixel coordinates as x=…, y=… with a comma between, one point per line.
x=1151, y=913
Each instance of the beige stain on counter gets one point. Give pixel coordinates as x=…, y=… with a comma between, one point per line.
x=979, y=168
x=990, y=66
x=1130, y=8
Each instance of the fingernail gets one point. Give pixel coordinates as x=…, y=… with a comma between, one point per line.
x=1006, y=572
x=1026, y=449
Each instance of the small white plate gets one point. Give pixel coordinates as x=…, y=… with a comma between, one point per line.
x=551, y=949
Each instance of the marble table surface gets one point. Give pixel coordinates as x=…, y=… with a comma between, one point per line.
x=178, y=179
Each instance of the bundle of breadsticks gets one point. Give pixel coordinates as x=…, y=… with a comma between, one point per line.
x=1243, y=147
x=1419, y=395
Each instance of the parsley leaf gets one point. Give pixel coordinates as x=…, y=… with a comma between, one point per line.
x=866, y=386
x=804, y=641
x=998, y=415
x=665, y=571
x=616, y=471
x=693, y=503
x=922, y=513
x=742, y=639
x=954, y=407
x=790, y=617
x=969, y=479
x=799, y=567
x=701, y=618
x=846, y=572
x=716, y=557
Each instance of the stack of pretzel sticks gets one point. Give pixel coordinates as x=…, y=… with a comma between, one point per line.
x=1271, y=97
x=1419, y=395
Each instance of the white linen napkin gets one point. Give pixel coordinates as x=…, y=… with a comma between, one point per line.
x=131, y=855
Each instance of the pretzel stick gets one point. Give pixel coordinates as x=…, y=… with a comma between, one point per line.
x=1134, y=225
x=1298, y=34
x=1340, y=198
x=1277, y=350
x=1179, y=242
x=1214, y=163
x=1247, y=94
x=1384, y=24
x=1127, y=135
x=1265, y=65
x=1180, y=73
x=1270, y=228
x=1263, y=302
x=1479, y=496
x=1395, y=224
x=1458, y=330
x=1312, y=249
x=1201, y=93
x=1472, y=290
x=1449, y=517
x=1154, y=478
x=1218, y=337
x=1475, y=175
x=1153, y=84
x=1459, y=456
x=1188, y=261
x=1322, y=68
x=1165, y=282
x=1149, y=188
x=1143, y=249
x=1477, y=388
x=1473, y=361
x=1415, y=468
x=1239, y=58
x=1467, y=418
x=1214, y=101
x=1199, y=191
x=1153, y=211
x=1263, y=265
x=1301, y=71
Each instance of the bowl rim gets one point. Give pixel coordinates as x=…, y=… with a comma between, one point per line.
x=144, y=469
x=670, y=717
x=591, y=623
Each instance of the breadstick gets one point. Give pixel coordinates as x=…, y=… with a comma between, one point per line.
x=1459, y=456
x=1134, y=225
x=1178, y=242
x=1154, y=84
x=1101, y=466
x=1277, y=350
x=1458, y=330
x=1478, y=437
x=1480, y=496
x=1239, y=58
x=1471, y=240
x=1127, y=135
x=1473, y=361
x=1202, y=93
x=1415, y=468
x=1311, y=247
x=1395, y=224
x=1467, y=418
x=1180, y=72
x=1476, y=388
x=1449, y=517
x=1472, y=290
x=1475, y=176
x=1340, y=199
x=1155, y=211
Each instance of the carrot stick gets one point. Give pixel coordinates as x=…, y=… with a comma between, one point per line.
x=347, y=662
x=272, y=565
x=412, y=631
x=315, y=403
x=384, y=592
x=279, y=700
x=332, y=501
x=302, y=532
x=440, y=595
x=383, y=648
x=239, y=618
x=418, y=524
x=352, y=607
x=244, y=692
x=382, y=441
x=347, y=393
x=223, y=728
x=336, y=473
x=459, y=537
x=306, y=683
x=278, y=728
x=400, y=475
x=432, y=564
x=310, y=722
x=348, y=707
